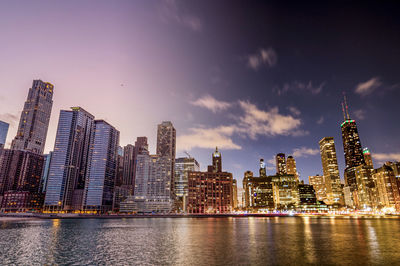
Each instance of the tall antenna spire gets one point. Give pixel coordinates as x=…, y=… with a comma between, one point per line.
x=344, y=114
x=345, y=104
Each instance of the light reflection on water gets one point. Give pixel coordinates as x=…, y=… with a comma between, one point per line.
x=202, y=241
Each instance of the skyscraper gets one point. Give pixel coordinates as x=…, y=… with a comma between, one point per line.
x=35, y=117
x=3, y=133
x=141, y=147
x=182, y=168
x=280, y=164
x=102, y=169
x=368, y=157
x=318, y=184
x=129, y=162
x=217, y=161
x=291, y=167
x=353, y=153
x=69, y=164
x=46, y=171
x=334, y=193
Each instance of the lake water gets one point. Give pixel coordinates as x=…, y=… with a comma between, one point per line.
x=201, y=241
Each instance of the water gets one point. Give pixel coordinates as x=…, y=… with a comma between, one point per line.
x=201, y=241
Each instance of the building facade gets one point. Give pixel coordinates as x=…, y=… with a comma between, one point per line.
x=280, y=164
x=182, y=168
x=3, y=133
x=318, y=183
x=35, y=118
x=291, y=168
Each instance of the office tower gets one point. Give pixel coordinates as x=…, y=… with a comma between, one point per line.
x=69, y=164
x=263, y=170
x=20, y=176
x=182, y=168
x=280, y=164
x=166, y=146
x=211, y=191
x=286, y=193
x=308, y=200
x=348, y=197
x=120, y=168
x=3, y=133
x=387, y=188
x=46, y=171
x=102, y=170
x=318, y=184
x=353, y=152
x=35, y=117
x=368, y=157
x=258, y=192
x=235, y=194
x=291, y=167
x=128, y=164
x=334, y=193
x=153, y=183
x=141, y=146
x=364, y=196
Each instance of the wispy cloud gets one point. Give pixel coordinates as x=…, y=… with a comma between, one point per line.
x=298, y=86
x=208, y=138
x=256, y=122
x=211, y=103
x=383, y=157
x=320, y=121
x=367, y=87
x=304, y=152
x=172, y=11
x=294, y=110
x=262, y=57
x=359, y=114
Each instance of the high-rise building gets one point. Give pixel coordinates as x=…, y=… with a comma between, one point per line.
x=211, y=191
x=387, y=189
x=318, y=184
x=141, y=147
x=120, y=168
x=333, y=191
x=286, y=193
x=69, y=164
x=35, y=118
x=217, y=161
x=46, y=171
x=291, y=168
x=3, y=133
x=368, y=157
x=263, y=170
x=364, y=196
x=353, y=153
x=166, y=146
x=103, y=166
x=235, y=194
x=20, y=176
x=258, y=191
x=128, y=164
x=308, y=200
x=182, y=168
x=280, y=164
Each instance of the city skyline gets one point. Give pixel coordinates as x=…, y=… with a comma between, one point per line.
x=220, y=94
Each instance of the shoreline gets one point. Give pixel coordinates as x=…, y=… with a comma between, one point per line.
x=28, y=216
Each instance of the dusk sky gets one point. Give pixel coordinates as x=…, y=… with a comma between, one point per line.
x=254, y=80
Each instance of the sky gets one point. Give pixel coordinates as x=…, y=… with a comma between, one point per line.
x=253, y=78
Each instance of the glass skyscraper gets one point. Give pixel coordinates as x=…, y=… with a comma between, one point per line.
x=35, y=117
x=69, y=162
x=3, y=133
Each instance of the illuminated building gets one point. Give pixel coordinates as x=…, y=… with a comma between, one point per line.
x=353, y=152
x=182, y=168
x=258, y=191
x=348, y=197
x=368, y=157
x=166, y=146
x=387, y=186
x=69, y=163
x=286, y=193
x=333, y=187
x=235, y=198
x=308, y=201
x=365, y=195
x=318, y=184
x=280, y=164
x=102, y=170
x=20, y=176
x=291, y=167
x=35, y=117
x=211, y=191
x=3, y=133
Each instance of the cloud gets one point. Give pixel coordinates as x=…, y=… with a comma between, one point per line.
x=304, y=152
x=262, y=57
x=9, y=118
x=359, y=114
x=368, y=86
x=208, y=138
x=172, y=11
x=294, y=110
x=298, y=86
x=320, y=120
x=211, y=103
x=383, y=157
x=268, y=123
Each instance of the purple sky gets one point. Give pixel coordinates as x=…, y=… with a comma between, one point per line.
x=254, y=80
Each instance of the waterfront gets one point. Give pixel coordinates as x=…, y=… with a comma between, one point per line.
x=206, y=241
